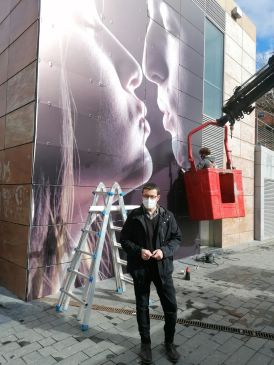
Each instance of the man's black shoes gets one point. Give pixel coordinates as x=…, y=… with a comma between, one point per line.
x=145, y=353
x=171, y=352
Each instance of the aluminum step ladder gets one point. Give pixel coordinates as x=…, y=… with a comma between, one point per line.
x=103, y=214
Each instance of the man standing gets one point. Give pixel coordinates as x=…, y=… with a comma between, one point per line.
x=149, y=237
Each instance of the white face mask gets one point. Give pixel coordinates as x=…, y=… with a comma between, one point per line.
x=149, y=203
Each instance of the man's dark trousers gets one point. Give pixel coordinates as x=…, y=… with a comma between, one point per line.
x=142, y=280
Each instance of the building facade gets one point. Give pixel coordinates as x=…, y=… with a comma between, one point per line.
x=97, y=91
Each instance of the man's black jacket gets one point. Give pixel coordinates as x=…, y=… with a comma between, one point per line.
x=134, y=235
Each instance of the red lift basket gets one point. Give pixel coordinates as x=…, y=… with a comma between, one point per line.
x=213, y=193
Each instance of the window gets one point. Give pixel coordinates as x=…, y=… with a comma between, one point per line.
x=214, y=69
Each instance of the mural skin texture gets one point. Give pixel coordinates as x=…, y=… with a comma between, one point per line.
x=111, y=107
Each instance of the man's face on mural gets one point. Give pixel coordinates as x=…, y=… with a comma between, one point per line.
x=101, y=77
x=161, y=65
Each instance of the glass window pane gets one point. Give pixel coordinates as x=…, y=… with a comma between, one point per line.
x=214, y=50
x=213, y=100
x=214, y=65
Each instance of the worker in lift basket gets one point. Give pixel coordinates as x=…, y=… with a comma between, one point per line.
x=207, y=160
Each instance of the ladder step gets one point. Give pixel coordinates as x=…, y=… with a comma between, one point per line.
x=121, y=262
x=105, y=192
x=113, y=208
x=127, y=279
x=84, y=252
x=88, y=230
x=131, y=207
x=79, y=274
x=73, y=296
x=116, y=228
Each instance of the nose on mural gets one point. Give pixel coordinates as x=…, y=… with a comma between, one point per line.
x=154, y=63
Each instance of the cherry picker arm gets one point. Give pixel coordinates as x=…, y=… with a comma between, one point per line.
x=244, y=96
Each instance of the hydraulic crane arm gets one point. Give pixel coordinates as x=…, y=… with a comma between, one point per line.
x=244, y=96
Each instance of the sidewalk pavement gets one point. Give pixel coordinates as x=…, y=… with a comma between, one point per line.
x=228, y=308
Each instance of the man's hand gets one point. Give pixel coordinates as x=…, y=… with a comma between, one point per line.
x=145, y=254
x=158, y=254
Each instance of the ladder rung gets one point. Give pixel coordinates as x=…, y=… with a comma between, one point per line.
x=116, y=228
x=84, y=252
x=113, y=208
x=105, y=192
x=122, y=262
x=127, y=279
x=131, y=207
x=88, y=230
x=73, y=296
x=79, y=273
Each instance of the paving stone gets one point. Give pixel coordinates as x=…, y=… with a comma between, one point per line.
x=201, y=352
x=93, y=350
x=12, y=346
x=116, y=348
x=101, y=358
x=2, y=360
x=190, y=331
x=60, y=345
x=230, y=346
x=16, y=362
x=6, y=332
x=255, y=343
x=47, y=342
x=45, y=361
x=259, y=359
x=180, y=339
x=29, y=335
x=59, y=336
x=71, y=350
x=21, y=351
x=240, y=356
x=125, y=357
x=32, y=357
x=8, y=339
x=215, y=358
x=268, y=348
x=78, y=358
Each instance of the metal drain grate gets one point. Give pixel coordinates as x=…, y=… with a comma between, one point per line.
x=186, y=322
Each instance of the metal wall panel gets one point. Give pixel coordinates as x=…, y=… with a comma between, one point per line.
x=216, y=13
x=268, y=208
x=213, y=138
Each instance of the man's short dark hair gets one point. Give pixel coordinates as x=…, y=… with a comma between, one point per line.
x=205, y=151
x=151, y=186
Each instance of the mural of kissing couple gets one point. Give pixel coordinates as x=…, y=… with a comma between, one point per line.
x=112, y=106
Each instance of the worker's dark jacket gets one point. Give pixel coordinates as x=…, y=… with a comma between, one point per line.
x=134, y=235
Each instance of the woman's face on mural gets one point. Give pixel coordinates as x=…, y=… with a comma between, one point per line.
x=161, y=65
x=101, y=76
